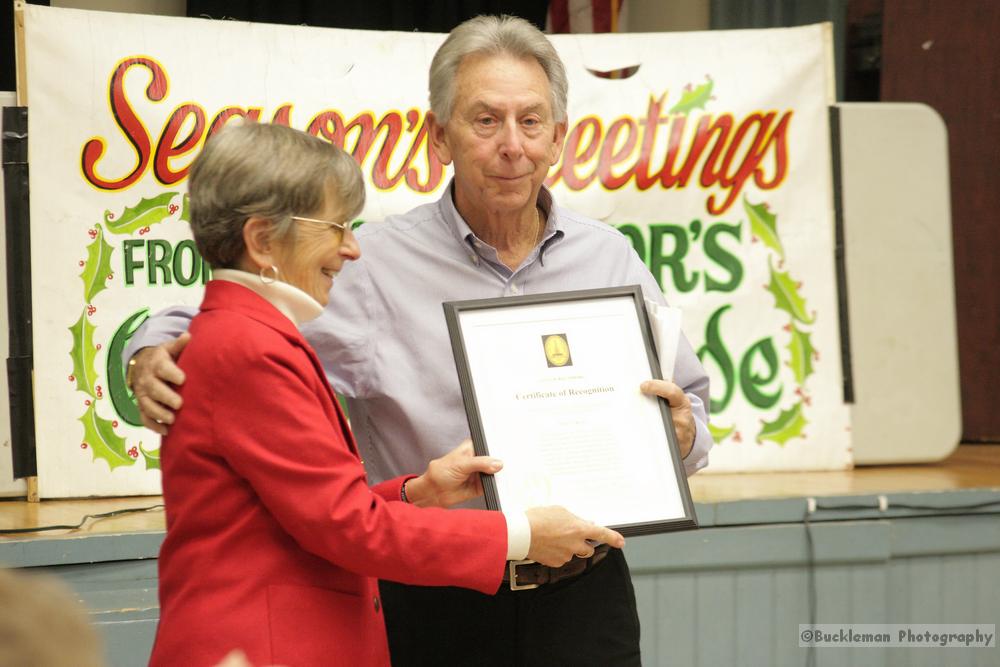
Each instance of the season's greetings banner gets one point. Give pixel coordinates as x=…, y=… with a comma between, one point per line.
x=713, y=158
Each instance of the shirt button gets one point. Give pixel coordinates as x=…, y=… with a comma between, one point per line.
x=376, y=604
x=514, y=290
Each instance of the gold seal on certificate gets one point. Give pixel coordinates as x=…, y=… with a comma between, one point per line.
x=556, y=350
x=551, y=387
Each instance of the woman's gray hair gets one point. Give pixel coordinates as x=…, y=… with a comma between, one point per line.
x=494, y=35
x=252, y=169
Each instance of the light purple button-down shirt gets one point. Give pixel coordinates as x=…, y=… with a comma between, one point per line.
x=383, y=339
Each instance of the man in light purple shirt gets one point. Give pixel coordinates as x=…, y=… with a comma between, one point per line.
x=383, y=339
x=498, y=113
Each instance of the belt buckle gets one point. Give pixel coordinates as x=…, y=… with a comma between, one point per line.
x=512, y=575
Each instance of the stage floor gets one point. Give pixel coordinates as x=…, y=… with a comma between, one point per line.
x=970, y=467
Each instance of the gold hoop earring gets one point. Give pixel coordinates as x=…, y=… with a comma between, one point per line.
x=267, y=280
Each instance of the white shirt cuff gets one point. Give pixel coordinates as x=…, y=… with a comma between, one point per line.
x=518, y=535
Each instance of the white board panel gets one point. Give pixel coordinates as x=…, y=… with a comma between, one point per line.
x=900, y=283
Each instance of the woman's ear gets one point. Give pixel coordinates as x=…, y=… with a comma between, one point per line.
x=257, y=239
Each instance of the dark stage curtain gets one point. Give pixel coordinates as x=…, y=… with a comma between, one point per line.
x=8, y=69
x=424, y=16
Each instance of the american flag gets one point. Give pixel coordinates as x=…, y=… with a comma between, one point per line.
x=584, y=16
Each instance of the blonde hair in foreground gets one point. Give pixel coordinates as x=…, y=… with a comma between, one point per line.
x=43, y=625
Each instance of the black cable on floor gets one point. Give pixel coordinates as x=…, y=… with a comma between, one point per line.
x=104, y=515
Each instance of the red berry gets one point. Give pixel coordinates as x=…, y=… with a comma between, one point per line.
x=83, y=445
x=72, y=378
x=87, y=402
x=81, y=262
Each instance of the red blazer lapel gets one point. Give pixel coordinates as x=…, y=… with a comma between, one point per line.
x=226, y=295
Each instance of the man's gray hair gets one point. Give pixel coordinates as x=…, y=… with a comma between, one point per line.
x=269, y=171
x=494, y=35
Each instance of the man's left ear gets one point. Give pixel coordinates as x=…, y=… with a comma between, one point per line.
x=439, y=142
x=557, y=143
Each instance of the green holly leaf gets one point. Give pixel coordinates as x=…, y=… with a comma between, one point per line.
x=694, y=98
x=787, y=297
x=146, y=213
x=97, y=268
x=83, y=353
x=720, y=433
x=763, y=225
x=788, y=425
x=186, y=209
x=152, y=458
x=102, y=440
x=801, y=354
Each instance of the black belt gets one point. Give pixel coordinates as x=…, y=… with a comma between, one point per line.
x=524, y=574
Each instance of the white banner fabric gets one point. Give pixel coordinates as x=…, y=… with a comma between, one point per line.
x=713, y=157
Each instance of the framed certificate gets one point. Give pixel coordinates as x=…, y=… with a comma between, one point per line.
x=551, y=387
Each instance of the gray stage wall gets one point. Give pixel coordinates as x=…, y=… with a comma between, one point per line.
x=731, y=593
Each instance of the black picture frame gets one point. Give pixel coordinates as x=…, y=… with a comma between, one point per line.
x=453, y=311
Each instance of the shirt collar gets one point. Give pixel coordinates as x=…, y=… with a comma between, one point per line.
x=292, y=302
x=464, y=234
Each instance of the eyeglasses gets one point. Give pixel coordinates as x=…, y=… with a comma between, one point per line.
x=337, y=228
x=340, y=226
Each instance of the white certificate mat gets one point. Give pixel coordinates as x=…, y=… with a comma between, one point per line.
x=551, y=387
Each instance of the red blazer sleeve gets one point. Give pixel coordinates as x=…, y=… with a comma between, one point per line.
x=277, y=427
x=392, y=489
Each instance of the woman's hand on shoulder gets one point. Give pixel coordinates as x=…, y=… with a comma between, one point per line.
x=154, y=375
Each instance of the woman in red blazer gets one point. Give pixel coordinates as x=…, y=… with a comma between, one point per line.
x=274, y=537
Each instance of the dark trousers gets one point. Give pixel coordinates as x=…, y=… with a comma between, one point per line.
x=587, y=620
